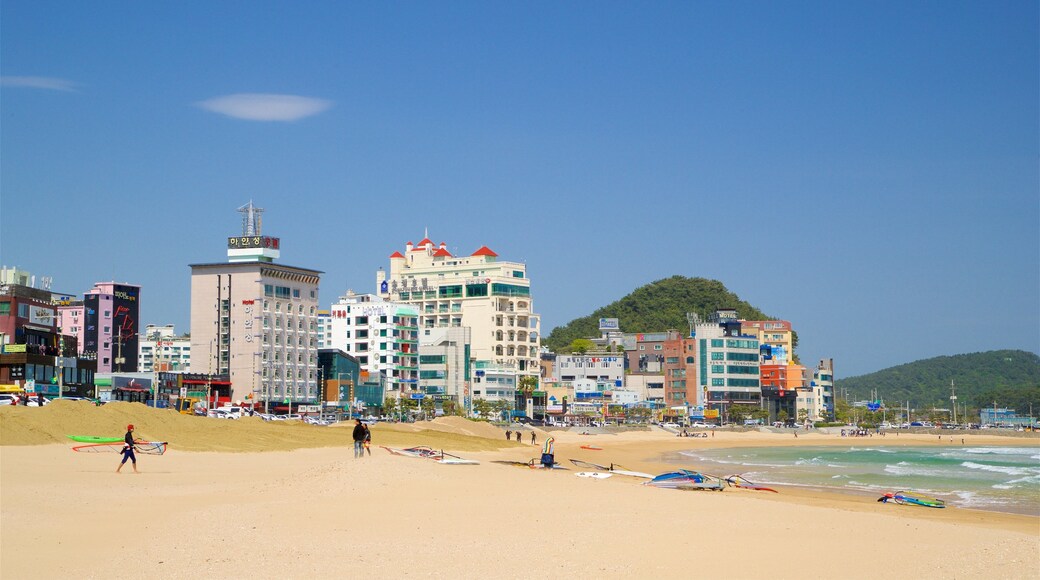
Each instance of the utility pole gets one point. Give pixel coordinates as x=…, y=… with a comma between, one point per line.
x=953, y=400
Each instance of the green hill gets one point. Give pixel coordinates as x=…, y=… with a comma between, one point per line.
x=656, y=307
x=1012, y=377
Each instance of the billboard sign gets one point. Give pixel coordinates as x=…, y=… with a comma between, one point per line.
x=609, y=324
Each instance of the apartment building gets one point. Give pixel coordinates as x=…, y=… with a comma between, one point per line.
x=491, y=297
x=444, y=364
x=383, y=336
x=161, y=349
x=728, y=362
x=256, y=320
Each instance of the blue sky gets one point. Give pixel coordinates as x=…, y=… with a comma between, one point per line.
x=867, y=170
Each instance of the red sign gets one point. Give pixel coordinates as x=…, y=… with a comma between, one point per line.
x=248, y=301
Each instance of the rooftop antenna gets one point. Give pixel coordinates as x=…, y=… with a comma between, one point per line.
x=693, y=319
x=251, y=219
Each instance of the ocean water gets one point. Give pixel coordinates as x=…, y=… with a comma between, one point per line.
x=1003, y=479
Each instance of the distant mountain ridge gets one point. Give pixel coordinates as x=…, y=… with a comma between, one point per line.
x=976, y=376
x=656, y=307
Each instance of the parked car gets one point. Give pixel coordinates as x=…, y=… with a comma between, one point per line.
x=670, y=425
x=8, y=399
x=228, y=413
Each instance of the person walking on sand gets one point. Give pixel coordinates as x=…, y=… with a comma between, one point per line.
x=359, y=439
x=368, y=440
x=128, y=449
x=533, y=439
x=518, y=435
x=509, y=435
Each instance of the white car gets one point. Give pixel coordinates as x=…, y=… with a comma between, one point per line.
x=228, y=413
x=8, y=399
x=670, y=425
x=699, y=425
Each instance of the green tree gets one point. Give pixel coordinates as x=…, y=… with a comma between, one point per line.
x=782, y=416
x=390, y=406
x=738, y=413
x=638, y=414
x=427, y=406
x=528, y=384
x=482, y=407
x=842, y=411
x=406, y=405
x=581, y=345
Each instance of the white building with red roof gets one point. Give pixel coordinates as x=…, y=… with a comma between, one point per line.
x=490, y=296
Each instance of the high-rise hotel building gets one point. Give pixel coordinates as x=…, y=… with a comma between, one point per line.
x=491, y=297
x=381, y=335
x=257, y=321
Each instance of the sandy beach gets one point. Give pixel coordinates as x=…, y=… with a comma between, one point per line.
x=215, y=505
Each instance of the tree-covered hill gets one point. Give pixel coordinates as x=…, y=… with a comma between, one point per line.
x=656, y=307
x=1011, y=376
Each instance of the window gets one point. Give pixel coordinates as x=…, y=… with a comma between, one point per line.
x=658, y=347
x=5, y=308
x=296, y=293
x=476, y=290
x=716, y=343
x=509, y=290
x=449, y=291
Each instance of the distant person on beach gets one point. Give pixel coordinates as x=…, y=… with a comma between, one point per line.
x=509, y=435
x=359, y=439
x=368, y=440
x=548, y=454
x=532, y=438
x=128, y=449
x=518, y=435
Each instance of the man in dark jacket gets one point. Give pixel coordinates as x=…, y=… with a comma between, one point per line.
x=359, y=439
x=128, y=449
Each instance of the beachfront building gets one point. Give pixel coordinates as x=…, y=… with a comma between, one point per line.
x=36, y=354
x=680, y=374
x=161, y=349
x=775, y=338
x=383, y=336
x=645, y=352
x=324, y=326
x=823, y=385
x=648, y=387
x=110, y=325
x=728, y=363
x=605, y=369
x=489, y=296
x=256, y=321
x=782, y=386
x=444, y=365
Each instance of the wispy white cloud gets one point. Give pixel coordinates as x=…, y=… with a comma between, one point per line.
x=49, y=83
x=260, y=107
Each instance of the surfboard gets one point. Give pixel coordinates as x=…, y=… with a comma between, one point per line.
x=592, y=448
x=594, y=474
x=95, y=439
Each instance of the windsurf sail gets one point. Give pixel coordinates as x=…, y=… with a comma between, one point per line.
x=424, y=452
x=910, y=498
x=589, y=465
x=146, y=447
x=687, y=480
x=741, y=482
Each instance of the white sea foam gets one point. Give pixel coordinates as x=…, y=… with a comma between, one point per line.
x=999, y=450
x=903, y=469
x=998, y=468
